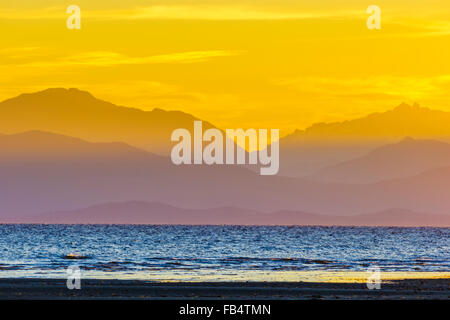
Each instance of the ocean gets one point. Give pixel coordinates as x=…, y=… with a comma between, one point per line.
x=214, y=253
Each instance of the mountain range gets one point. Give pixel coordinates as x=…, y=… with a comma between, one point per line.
x=63, y=149
x=79, y=114
x=141, y=212
x=324, y=144
x=397, y=160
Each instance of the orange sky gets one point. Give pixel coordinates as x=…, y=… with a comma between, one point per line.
x=264, y=64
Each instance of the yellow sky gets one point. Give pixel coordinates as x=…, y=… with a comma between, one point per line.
x=262, y=63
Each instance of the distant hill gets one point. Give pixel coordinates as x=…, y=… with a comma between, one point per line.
x=41, y=171
x=32, y=181
x=32, y=146
x=400, y=218
x=403, y=159
x=404, y=120
x=77, y=113
x=141, y=212
x=325, y=144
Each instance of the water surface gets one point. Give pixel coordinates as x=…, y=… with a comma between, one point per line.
x=218, y=252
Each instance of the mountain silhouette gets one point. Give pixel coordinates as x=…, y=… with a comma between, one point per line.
x=304, y=152
x=142, y=212
x=41, y=171
x=77, y=113
x=44, y=169
x=32, y=146
x=404, y=120
x=403, y=159
x=101, y=173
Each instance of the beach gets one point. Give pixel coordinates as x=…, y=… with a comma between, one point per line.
x=55, y=289
x=223, y=262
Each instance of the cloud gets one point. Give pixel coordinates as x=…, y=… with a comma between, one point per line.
x=214, y=11
x=228, y=12
x=107, y=58
x=177, y=96
x=14, y=50
x=416, y=28
x=370, y=88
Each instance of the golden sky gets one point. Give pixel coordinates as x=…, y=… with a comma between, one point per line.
x=249, y=63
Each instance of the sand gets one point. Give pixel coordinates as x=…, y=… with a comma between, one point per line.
x=138, y=289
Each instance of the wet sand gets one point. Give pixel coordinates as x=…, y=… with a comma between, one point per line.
x=138, y=289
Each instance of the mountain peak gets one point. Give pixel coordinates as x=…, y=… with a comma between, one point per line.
x=404, y=107
x=73, y=112
x=55, y=95
x=408, y=139
x=65, y=92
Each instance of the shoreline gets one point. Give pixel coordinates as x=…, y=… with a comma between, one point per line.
x=233, y=276
x=55, y=289
x=362, y=226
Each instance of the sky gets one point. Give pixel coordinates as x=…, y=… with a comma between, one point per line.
x=252, y=63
